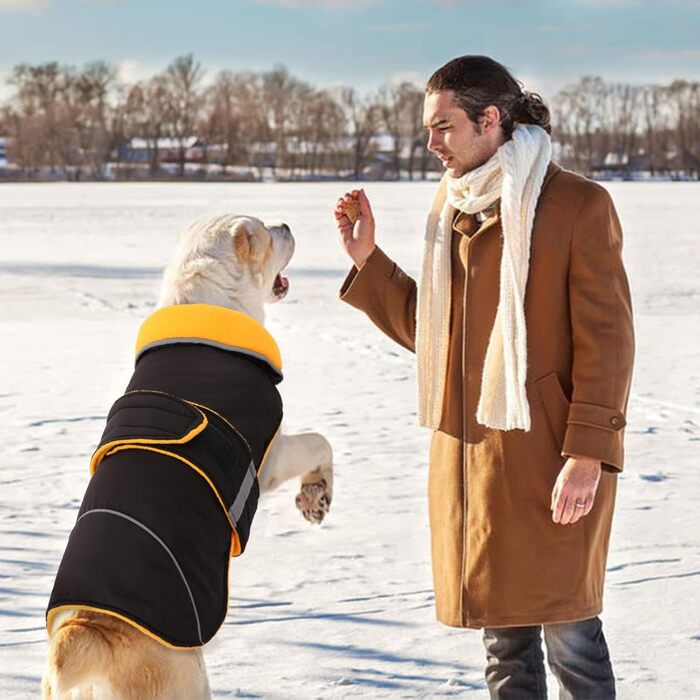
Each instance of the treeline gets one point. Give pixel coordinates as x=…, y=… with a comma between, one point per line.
x=79, y=123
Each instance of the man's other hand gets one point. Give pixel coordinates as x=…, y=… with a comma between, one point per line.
x=577, y=482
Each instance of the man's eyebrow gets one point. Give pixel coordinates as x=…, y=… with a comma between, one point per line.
x=437, y=123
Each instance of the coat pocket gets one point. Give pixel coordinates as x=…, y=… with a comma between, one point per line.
x=556, y=406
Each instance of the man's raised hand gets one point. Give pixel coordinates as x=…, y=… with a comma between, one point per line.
x=356, y=238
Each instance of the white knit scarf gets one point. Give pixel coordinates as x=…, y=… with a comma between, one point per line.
x=514, y=173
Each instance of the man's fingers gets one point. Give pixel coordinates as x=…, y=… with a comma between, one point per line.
x=342, y=218
x=568, y=510
x=581, y=512
x=576, y=515
x=365, y=209
x=564, y=508
x=559, y=503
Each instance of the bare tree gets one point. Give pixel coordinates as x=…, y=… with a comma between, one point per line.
x=362, y=117
x=149, y=114
x=37, y=97
x=183, y=77
x=87, y=113
x=280, y=94
x=401, y=109
x=325, y=131
x=685, y=99
x=577, y=120
x=66, y=122
x=621, y=119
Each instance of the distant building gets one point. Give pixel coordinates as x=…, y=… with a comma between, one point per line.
x=621, y=165
x=3, y=151
x=138, y=150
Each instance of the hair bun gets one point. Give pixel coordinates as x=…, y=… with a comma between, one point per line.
x=532, y=110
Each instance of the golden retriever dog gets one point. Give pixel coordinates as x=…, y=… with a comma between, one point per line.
x=234, y=262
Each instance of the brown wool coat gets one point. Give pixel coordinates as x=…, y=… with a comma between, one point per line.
x=498, y=557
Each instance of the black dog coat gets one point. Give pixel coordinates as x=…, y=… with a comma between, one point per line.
x=174, y=479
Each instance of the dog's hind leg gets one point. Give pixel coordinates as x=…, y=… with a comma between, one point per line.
x=150, y=671
x=94, y=652
x=309, y=456
x=79, y=653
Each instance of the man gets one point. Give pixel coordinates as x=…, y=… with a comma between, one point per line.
x=522, y=326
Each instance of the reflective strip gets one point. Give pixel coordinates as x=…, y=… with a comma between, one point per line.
x=237, y=508
x=163, y=545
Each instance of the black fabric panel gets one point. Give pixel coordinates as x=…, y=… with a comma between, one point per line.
x=236, y=386
x=112, y=563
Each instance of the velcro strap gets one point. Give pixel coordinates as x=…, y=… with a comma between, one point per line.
x=596, y=416
x=148, y=418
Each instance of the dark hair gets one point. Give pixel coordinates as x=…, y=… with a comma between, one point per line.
x=479, y=81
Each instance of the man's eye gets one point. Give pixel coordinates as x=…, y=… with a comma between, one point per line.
x=444, y=128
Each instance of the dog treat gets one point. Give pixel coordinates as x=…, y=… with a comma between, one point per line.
x=352, y=210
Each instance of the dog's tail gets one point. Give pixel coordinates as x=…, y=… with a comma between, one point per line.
x=80, y=652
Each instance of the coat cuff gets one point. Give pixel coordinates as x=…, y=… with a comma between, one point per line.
x=377, y=268
x=595, y=431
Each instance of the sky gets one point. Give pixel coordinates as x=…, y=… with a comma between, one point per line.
x=364, y=43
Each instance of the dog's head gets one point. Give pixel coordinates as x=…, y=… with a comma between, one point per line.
x=263, y=252
x=233, y=261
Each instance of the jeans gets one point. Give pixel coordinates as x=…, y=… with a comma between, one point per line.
x=577, y=654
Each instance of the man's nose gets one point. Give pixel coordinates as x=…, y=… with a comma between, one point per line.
x=433, y=142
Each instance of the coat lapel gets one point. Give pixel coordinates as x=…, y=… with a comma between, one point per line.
x=495, y=218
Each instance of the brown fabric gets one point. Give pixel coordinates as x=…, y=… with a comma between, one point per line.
x=498, y=558
x=451, y=422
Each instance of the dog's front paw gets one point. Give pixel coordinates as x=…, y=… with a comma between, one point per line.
x=314, y=501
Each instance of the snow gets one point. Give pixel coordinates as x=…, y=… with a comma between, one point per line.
x=344, y=609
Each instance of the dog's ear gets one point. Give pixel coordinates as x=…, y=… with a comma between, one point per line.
x=250, y=242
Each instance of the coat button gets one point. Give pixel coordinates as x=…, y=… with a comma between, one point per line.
x=614, y=420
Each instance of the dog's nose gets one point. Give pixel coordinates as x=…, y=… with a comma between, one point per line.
x=286, y=228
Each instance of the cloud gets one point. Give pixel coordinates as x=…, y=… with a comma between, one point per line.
x=32, y=6
x=400, y=26
x=38, y=7
x=576, y=48
x=633, y=3
x=354, y=4
x=320, y=4
x=409, y=76
x=670, y=54
x=129, y=70
x=547, y=87
x=455, y=3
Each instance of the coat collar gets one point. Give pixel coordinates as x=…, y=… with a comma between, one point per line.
x=552, y=170
x=207, y=324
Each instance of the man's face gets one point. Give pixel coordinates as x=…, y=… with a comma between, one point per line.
x=460, y=144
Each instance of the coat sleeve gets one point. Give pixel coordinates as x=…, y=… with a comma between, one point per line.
x=386, y=294
x=602, y=335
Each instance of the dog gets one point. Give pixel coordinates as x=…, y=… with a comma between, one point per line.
x=229, y=266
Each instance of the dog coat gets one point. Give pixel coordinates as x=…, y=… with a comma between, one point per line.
x=173, y=487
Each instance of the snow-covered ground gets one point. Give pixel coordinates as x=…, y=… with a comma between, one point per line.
x=345, y=609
